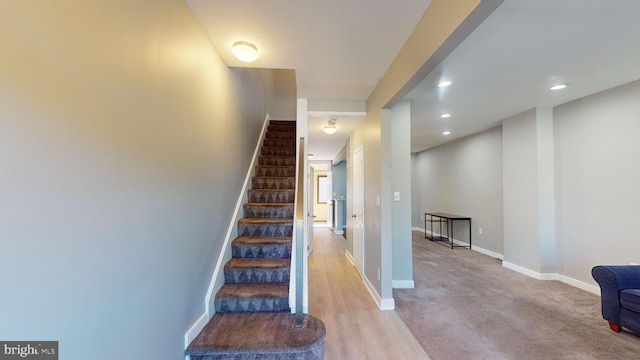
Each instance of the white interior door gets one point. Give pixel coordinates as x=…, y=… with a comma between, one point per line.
x=330, y=200
x=358, y=209
x=311, y=179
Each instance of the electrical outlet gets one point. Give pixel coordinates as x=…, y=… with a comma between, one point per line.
x=396, y=196
x=421, y=217
x=480, y=231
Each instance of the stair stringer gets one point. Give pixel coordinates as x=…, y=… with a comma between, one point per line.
x=217, y=277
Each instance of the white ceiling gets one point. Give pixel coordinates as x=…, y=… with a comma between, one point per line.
x=507, y=65
x=340, y=50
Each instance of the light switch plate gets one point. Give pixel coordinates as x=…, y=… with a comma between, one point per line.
x=396, y=196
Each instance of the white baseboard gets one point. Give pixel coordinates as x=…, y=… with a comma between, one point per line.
x=388, y=304
x=383, y=304
x=305, y=309
x=552, y=276
x=403, y=284
x=579, y=284
x=525, y=271
x=195, y=329
x=350, y=257
x=536, y=275
x=490, y=253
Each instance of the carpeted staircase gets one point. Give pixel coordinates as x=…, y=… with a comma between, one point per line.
x=253, y=319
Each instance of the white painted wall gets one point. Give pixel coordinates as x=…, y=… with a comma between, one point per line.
x=597, y=176
x=124, y=141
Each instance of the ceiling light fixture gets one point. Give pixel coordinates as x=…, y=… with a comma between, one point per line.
x=245, y=51
x=444, y=84
x=446, y=132
x=444, y=116
x=330, y=128
x=558, y=87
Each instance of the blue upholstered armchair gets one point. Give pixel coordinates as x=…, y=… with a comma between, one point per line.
x=620, y=289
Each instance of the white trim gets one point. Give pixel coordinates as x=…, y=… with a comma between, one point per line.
x=552, y=276
x=234, y=220
x=388, y=304
x=579, y=284
x=522, y=270
x=337, y=113
x=403, y=284
x=195, y=329
x=349, y=257
x=338, y=232
x=383, y=304
x=490, y=253
x=305, y=309
x=528, y=272
x=484, y=251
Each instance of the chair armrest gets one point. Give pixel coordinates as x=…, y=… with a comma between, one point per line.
x=612, y=279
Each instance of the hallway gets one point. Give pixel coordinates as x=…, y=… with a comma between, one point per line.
x=356, y=328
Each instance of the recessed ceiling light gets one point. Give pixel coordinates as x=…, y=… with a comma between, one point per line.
x=444, y=84
x=446, y=132
x=245, y=51
x=558, y=87
x=444, y=116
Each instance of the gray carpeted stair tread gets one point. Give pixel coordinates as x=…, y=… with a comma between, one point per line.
x=258, y=336
x=256, y=240
x=273, y=182
x=268, y=210
x=267, y=227
x=251, y=263
x=246, y=291
x=265, y=221
x=252, y=319
x=268, y=204
x=262, y=247
x=276, y=160
x=257, y=271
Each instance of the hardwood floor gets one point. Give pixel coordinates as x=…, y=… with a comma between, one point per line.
x=356, y=328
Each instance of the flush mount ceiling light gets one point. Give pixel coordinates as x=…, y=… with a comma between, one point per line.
x=558, y=87
x=330, y=128
x=446, y=132
x=245, y=51
x=444, y=116
x=444, y=84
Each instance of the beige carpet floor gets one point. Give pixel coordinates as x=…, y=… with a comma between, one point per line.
x=465, y=305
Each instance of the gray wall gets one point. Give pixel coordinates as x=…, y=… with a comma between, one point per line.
x=597, y=176
x=463, y=177
x=520, y=181
x=593, y=150
x=124, y=141
x=401, y=183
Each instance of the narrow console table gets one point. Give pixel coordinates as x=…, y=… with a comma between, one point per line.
x=448, y=220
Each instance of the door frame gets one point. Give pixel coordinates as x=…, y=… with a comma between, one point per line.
x=358, y=210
